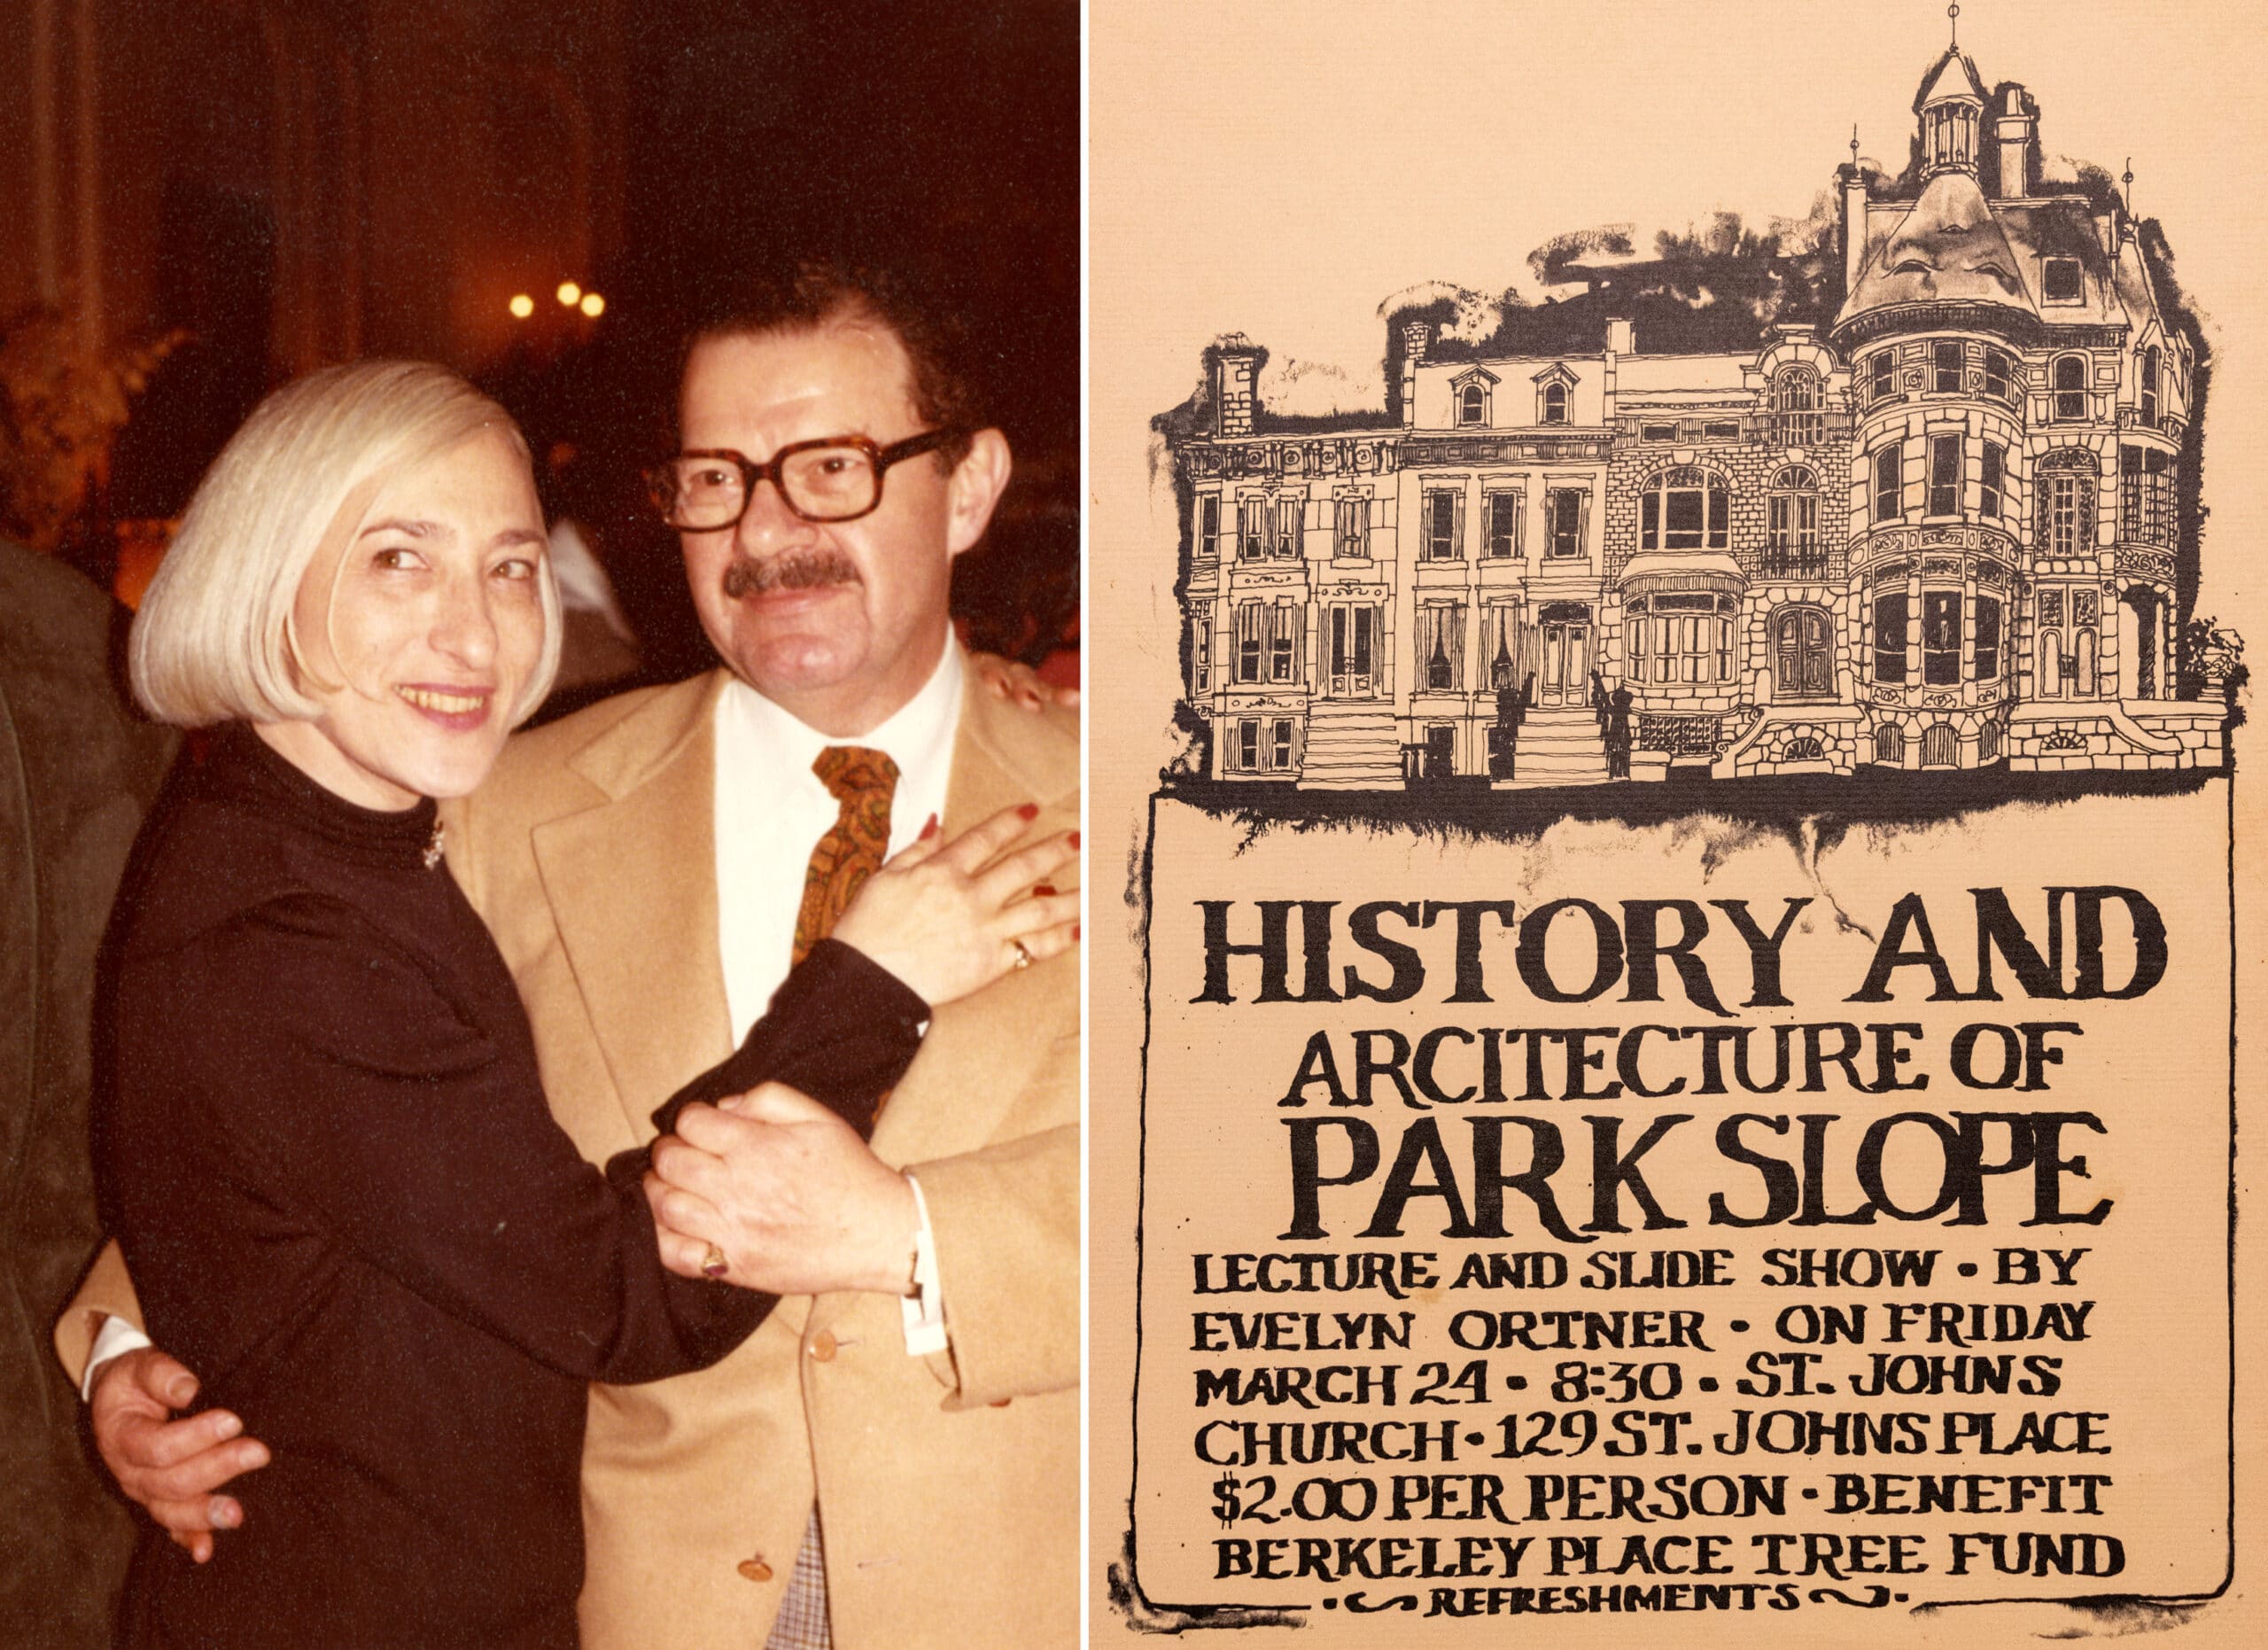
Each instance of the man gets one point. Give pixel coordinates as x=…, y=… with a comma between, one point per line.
x=910, y=1428
x=77, y=769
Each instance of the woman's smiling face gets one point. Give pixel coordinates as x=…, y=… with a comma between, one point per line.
x=418, y=628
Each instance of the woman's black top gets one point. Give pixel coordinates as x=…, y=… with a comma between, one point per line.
x=346, y=1206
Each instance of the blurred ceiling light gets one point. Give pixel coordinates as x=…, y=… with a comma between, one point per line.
x=522, y=306
x=569, y=292
x=594, y=306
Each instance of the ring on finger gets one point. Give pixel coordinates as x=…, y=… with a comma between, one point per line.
x=1023, y=957
x=713, y=1264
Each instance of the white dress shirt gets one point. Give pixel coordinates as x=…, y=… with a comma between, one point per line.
x=771, y=809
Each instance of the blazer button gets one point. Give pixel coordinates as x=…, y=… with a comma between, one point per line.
x=753, y=1570
x=823, y=1346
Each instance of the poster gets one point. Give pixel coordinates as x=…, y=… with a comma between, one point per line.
x=1669, y=597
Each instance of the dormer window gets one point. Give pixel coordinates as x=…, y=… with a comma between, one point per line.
x=1471, y=390
x=2060, y=282
x=1553, y=398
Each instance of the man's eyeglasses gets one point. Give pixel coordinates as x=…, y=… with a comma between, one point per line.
x=838, y=478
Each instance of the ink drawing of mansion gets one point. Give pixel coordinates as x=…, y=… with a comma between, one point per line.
x=1940, y=524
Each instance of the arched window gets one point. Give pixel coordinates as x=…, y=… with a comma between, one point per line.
x=1940, y=746
x=1555, y=403
x=1797, y=417
x=1791, y=548
x=1889, y=743
x=1685, y=509
x=1988, y=743
x=2070, y=387
x=2063, y=487
x=1472, y=404
x=2150, y=386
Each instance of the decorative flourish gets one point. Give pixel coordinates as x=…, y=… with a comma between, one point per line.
x=1399, y=1601
x=1877, y=1597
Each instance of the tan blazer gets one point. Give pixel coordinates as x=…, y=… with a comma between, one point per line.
x=949, y=1484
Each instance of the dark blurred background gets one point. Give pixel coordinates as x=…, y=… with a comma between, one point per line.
x=217, y=195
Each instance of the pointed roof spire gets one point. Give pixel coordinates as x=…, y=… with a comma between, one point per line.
x=1953, y=11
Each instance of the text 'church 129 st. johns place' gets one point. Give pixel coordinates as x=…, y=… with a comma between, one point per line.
x=1936, y=510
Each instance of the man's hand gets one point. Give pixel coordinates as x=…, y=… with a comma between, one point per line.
x=789, y=1191
x=170, y=1467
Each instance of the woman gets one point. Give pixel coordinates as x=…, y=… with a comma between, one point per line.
x=337, y=1186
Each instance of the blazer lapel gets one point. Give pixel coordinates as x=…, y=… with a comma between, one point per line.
x=974, y=1061
x=632, y=888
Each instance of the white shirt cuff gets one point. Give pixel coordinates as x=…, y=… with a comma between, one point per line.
x=115, y=1339
x=924, y=1310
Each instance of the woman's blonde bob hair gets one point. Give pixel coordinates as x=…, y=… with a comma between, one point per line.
x=214, y=641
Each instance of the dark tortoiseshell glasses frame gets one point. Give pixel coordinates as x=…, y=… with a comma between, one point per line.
x=794, y=488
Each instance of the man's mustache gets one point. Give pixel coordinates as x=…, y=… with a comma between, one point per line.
x=806, y=570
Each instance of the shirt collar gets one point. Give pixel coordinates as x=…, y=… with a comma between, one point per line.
x=917, y=735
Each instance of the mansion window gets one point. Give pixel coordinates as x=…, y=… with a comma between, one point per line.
x=1940, y=638
x=1352, y=535
x=2063, y=499
x=1685, y=509
x=1269, y=526
x=1208, y=526
x=1200, y=649
x=1945, y=475
x=1553, y=406
x=2000, y=380
x=1658, y=433
x=1721, y=430
x=1797, y=418
x=1683, y=637
x=1472, y=405
x=1890, y=638
x=1442, y=508
x=1263, y=744
x=1881, y=376
x=1889, y=484
x=2070, y=387
x=2149, y=388
x=2145, y=512
x=1945, y=368
x=1503, y=524
x=1992, y=485
x=2060, y=282
x=1562, y=522
x=1440, y=646
x=1987, y=639
x=1268, y=636
x=1791, y=525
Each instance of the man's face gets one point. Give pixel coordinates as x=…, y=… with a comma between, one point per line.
x=840, y=623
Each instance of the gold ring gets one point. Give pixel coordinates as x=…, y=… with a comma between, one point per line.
x=1023, y=957
x=713, y=1264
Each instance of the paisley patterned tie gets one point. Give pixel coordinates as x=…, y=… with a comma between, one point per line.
x=863, y=780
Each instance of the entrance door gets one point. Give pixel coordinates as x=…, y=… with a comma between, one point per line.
x=1806, y=662
x=1354, y=648
x=1566, y=673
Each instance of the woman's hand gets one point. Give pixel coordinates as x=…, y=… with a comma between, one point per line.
x=1020, y=684
x=950, y=918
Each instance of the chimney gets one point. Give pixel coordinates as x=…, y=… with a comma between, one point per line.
x=1854, y=179
x=1620, y=340
x=2013, y=132
x=1414, y=335
x=1234, y=359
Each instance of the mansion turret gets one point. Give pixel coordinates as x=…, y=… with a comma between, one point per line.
x=1940, y=523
